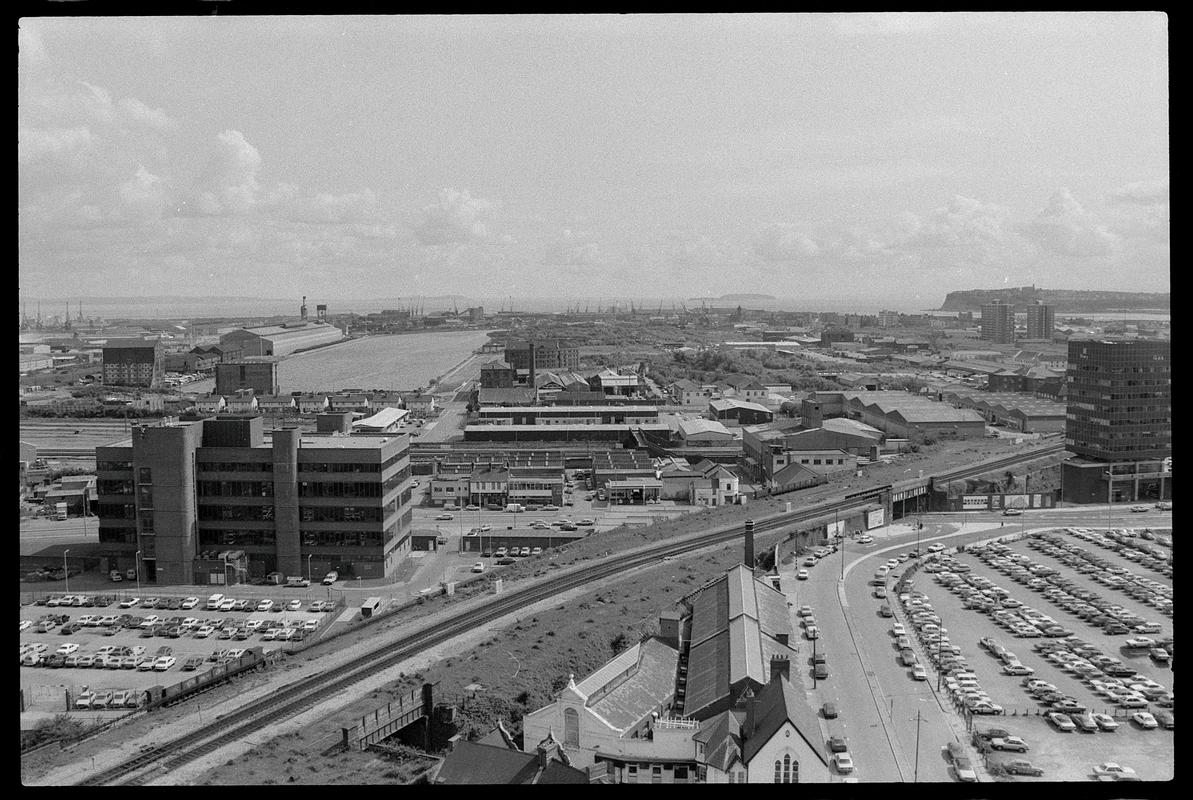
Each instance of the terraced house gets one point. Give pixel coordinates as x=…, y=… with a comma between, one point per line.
x=292, y=503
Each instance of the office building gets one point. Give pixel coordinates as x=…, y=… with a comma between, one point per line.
x=998, y=322
x=1041, y=319
x=176, y=495
x=1118, y=420
x=134, y=362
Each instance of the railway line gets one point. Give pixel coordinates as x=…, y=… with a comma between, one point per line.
x=308, y=692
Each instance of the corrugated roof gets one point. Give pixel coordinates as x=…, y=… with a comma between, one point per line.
x=611, y=669
x=708, y=673
x=745, y=651
x=710, y=611
x=741, y=593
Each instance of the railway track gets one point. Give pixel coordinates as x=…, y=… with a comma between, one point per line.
x=308, y=692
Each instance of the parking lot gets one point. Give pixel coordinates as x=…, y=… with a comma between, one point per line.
x=1004, y=594
x=115, y=644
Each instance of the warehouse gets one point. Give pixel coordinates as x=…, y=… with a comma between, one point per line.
x=558, y=433
x=1021, y=412
x=282, y=340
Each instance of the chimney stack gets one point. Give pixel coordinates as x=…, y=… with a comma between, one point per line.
x=780, y=666
x=749, y=559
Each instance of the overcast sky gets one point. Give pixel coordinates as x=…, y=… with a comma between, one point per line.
x=894, y=156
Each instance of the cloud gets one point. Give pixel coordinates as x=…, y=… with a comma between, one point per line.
x=1064, y=228
x=229, y=183
x=134, y=111
x=573, y=249
x=1141, y=193
x=142, y=198
x=34, y=144
x=779, y=242
x=329, y=209
x=455, y=219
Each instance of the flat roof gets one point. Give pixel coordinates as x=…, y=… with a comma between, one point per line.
x=568, y=409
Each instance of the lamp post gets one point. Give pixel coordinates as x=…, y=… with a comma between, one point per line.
x=916, y=777
x=137, y=570
x=1109, y=498
x=65, y=571
x=309, y=566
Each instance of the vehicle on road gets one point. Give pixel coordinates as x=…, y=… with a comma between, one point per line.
x=1166, y=719
x=812, y=632
x=472, y=507
x=444, y=516
x=838, y=744
x=1139, y=509
x=820, y=671
x=1012, y=512
x=843, y=762
x=1013, y=743
x=802, y=575
x=478, y=566
x=829, y=710
x=330, y=578
x=964, y=770
x=1085, y=722
x=1021, y=768
x=265, y=605
x=919, y=673
x=1105, y=722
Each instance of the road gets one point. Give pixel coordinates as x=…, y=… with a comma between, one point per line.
x=878, y=701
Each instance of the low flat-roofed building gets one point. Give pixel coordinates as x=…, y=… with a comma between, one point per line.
x=506, y=396
x=387, y=420
x=557, y=433
x=633, y=491
x=732, y=411
x=699, y=432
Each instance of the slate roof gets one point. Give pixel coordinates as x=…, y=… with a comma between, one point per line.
x=775, y=704
x=475, y=763
x=639, y=686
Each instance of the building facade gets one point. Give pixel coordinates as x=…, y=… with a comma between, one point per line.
x=134, y=362
x=175, y=493
x=258, y=374
x=548, y=354
x=998, y=322
x=1041, y=319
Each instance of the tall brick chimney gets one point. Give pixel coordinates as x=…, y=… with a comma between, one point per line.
x=749, y=558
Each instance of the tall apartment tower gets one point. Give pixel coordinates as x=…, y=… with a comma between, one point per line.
x=1040, y=320
x=1119, y=420
x=998, y=322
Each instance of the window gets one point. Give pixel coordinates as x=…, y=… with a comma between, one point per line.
x=145, y=475
x=787, y=768
x=778, y=771
x=656, y=774
x=631, y=771
x=681, y=773
x=571, y=728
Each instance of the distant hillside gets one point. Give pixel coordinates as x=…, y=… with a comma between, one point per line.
x=1065, y=300
x=743, y=298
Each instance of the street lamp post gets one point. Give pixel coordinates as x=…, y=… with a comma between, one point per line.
x=916, y=777
x=137, y=570
x=65, y=571
x=309, y=567
x=1109, y=498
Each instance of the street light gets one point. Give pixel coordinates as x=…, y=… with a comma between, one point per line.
x=137, y=570
x=1109, y=498
x=65, y=571
x=309, y=567
x=916, y=777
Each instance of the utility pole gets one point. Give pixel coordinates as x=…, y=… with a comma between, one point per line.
x=916, y=778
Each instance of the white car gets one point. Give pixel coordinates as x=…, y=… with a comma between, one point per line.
x=164, y=663
x=294, y=605
x=935, y=548
x=802, y=575
x=227, y=604
x=1144, y=720
x=1109, y=769
x=310, y=625
x=812, y=632
x=204, y=631
x=130, y=602
x=265, y=605
x=865, y=539
x=1105, y=722
x=190, y=603
x=843, y=762
x=444, y=516
x=67, y=649
x=1139, y=509
x=478, y=566
x=919, y=673
x=898, y=630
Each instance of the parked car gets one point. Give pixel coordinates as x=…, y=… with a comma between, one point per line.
x=829, y=710
x=1108, y=770
x=1144, y=720
x=330, y=578
x=1105, y=722
x=1085, y=722
x=838, y=744
x=478, y=566
x=843, y=762
x=1018, y=767
x=1061, y=722
x=1013, y=743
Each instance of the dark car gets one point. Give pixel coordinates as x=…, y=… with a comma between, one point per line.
x=830, y=711
x=820, y=671
x=505, y=560
x=838, y=744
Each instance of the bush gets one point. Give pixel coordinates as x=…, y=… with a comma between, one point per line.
x=61, y=727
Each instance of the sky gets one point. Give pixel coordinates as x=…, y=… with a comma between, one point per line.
x=885, y=157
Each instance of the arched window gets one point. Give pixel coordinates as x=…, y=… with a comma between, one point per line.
x=794, y=771
x=778, y=771
x=787, y=768
x=571, y=728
